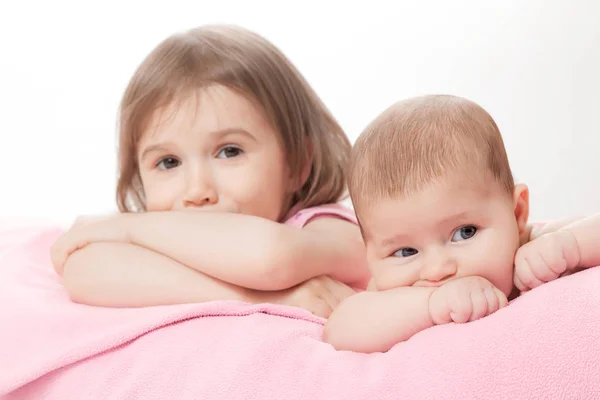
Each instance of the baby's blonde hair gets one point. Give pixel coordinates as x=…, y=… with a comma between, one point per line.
x=247, y=63
x=419, y=140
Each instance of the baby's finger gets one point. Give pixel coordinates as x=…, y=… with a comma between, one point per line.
x=555, y=264
x=502, y=299
x=541, y=267
x=461, y=306
x=524, y=270
x=480, y=305
x=492, y=300
x=518, y=283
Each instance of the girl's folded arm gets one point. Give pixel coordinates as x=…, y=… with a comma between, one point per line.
x=330, y=246
x=111, y=274
x=250, y=251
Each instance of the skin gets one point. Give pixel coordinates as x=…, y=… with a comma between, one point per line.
x=429, y=255
x=446, y=231
x=451, y=253
x=216, y=184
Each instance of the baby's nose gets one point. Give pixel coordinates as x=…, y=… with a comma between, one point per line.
x=438, y=270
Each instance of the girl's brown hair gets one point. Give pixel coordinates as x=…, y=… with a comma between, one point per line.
x=247, y=63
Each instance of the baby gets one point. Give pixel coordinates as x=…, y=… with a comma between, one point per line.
x=443, y=221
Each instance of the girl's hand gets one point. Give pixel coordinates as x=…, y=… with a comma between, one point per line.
x=319, y=295
x=84, y=231
x=465, y=299
x=545, y=258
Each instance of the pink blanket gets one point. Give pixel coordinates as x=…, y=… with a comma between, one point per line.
x=545, y=345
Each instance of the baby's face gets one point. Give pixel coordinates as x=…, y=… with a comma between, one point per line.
x=443, y=232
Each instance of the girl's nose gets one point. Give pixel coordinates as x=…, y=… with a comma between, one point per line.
x=200, y=191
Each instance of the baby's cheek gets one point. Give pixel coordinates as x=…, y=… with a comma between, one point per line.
x=493, y=260
x=502, y=274
x=388, y=276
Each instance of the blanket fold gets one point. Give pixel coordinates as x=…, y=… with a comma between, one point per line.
x=545, y=344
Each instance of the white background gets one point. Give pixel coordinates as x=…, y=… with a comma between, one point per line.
x=534, y=65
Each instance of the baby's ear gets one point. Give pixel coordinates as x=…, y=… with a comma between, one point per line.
x=521, y=206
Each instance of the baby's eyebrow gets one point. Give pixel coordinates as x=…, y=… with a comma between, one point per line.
x=393, y=240
x=462, y=215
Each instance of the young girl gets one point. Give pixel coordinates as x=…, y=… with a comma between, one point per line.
x=230, y=169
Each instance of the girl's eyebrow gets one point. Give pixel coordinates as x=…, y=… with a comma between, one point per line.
x=232, y=131
x=158, y=147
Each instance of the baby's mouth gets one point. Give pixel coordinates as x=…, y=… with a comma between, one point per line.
x=432, y=283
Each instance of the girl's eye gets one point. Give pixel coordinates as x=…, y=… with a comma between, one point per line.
x=168, y=163
x=464, y=233
x=406, y=252
x=229, y=152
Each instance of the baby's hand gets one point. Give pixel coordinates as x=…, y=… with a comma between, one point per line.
x=465, y=299
x=545, y=259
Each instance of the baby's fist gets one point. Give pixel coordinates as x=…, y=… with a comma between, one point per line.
x=545, y=259
x=465, y=299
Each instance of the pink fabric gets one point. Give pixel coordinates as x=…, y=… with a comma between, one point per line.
x=302, y=217
x=545, y=345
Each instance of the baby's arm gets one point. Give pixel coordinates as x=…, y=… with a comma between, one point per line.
x=253, y=252
x=534, y=231
x=556, y=251
x=371, y=322
x=376, y=321
x=587, y=234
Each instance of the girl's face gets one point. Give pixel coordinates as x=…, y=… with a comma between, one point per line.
x=214, y=151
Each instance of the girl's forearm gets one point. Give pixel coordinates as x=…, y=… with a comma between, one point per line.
x=239, y=249
x=126, y=275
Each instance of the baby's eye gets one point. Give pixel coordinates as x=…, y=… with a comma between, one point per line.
x=464, y=233
x=168, y=163
x=229, y=152
x=406, y=252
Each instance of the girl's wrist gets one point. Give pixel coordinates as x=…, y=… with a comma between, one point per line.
x=125, y=226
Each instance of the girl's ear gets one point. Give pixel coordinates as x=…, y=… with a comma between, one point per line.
x=521, y=206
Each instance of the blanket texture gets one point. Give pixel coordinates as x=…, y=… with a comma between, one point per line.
x=544, y=345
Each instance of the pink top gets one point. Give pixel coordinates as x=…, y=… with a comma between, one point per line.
x=303, y=217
